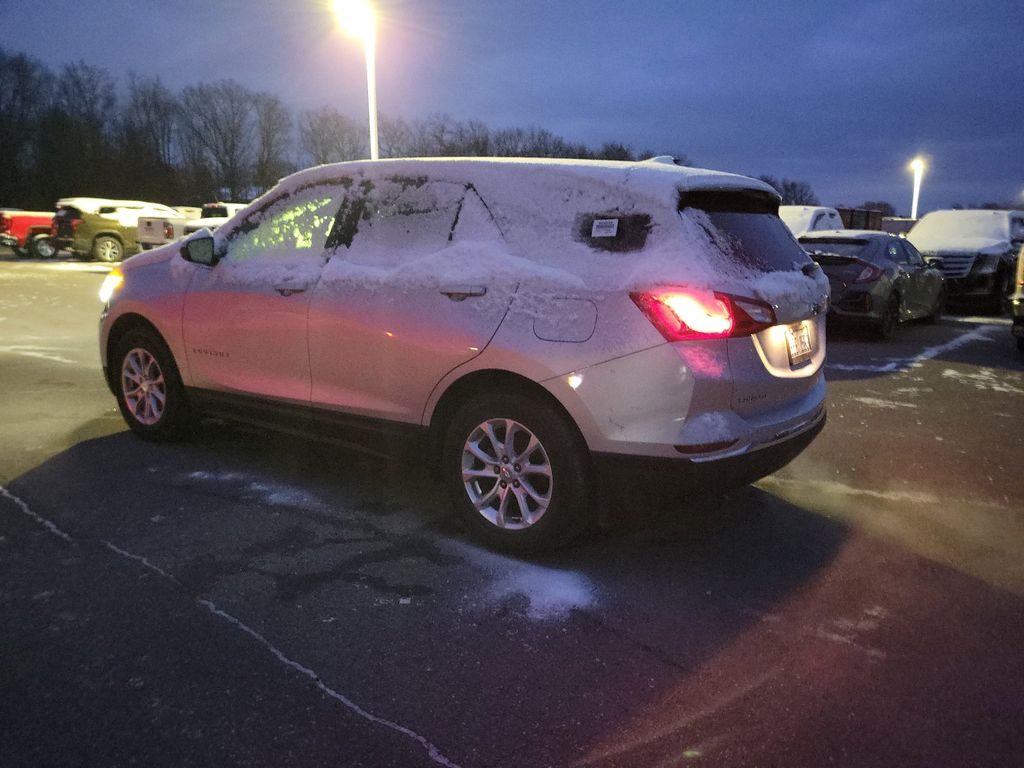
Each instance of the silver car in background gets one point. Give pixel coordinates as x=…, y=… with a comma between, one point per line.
x=532, y=328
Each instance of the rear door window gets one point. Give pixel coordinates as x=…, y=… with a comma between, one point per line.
x=746, y=226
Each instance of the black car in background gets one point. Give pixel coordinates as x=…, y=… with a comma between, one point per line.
x=877, y=279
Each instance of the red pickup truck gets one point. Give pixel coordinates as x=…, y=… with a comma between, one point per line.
x=27, y=232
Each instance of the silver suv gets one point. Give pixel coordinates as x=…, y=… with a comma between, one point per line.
x=532, y=327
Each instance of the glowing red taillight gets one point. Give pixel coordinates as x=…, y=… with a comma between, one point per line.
x=168, y=230
x=869, y=274
x=684, y=314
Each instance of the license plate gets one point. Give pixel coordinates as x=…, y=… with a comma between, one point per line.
x=798, y=341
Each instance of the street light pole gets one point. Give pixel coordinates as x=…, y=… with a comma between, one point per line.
x=357, y=18
x=917, y=166
x=371, y=86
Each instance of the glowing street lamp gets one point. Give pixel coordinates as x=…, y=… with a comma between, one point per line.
x=356, y=17
x=917, y=166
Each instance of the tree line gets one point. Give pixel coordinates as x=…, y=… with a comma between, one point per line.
x=72, y=132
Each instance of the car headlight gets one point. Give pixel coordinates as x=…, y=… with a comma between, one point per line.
x=985, y=263
x=111, y=283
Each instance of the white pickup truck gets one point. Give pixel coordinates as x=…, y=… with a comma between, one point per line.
x=154, y=232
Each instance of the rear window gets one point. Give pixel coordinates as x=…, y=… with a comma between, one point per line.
x=856, y=248
x=211, y=211
x=747, y=227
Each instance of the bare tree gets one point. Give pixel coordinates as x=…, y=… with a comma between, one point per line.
x=219, y=119
x=472, y=139
x=509, y=142
x=273, y=135
x=150, y=111
x=396, y=137
x=613, y=150
x=792, y=192
x=25, y=90
x=329, y=137
x=798, y=193
x=74, y=138
x=86, y=94
x=886, y=209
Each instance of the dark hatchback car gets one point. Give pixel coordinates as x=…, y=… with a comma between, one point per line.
x=876, y=279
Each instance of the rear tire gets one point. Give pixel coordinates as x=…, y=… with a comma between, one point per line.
x=518, y=472
x=106, y=248
x=890, y=319
x=41, y=247
x=149, y=389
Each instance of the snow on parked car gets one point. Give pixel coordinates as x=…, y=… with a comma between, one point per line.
x=978, y=251
x=802, y=219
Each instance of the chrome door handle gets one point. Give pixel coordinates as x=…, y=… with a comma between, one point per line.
x=463, y=292
x=286, y=291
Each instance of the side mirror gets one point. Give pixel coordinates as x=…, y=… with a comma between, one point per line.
x=199, y=250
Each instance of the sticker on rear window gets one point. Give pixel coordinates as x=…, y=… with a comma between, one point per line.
x=604, y=228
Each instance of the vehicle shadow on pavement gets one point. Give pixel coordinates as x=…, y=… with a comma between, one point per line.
x=270, y=525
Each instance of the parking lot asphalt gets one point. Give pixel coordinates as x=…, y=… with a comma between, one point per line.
x=244, y=599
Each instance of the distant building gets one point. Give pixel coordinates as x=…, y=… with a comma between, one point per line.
x=897, y=225
x=860, y=218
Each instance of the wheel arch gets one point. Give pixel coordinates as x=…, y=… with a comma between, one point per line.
x=480, y=381
x=109, y=233
x=125, y=324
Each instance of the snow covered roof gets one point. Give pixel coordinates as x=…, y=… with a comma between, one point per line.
x=655, y=178
x=951, y=228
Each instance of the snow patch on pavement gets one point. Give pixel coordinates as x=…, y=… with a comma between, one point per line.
x=273, y=494
x=985, y=379
x=834, y=487
x=876, y=402
x=551, y=592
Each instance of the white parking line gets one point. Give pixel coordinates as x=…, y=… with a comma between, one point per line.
x=894, y=364
x=435, y=754
x=24, y=509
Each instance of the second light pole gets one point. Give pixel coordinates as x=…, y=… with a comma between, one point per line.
x=917, y=166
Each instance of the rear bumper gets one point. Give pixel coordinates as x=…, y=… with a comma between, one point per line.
x=9, y=240
x=618, y=471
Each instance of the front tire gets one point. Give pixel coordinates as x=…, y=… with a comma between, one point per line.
x=518, y=472
x=938, y=309
x=150, y=393
x=106, y=248
x=1000, y=293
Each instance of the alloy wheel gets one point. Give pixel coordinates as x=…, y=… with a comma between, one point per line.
x=143, y=385
x=506, y=474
